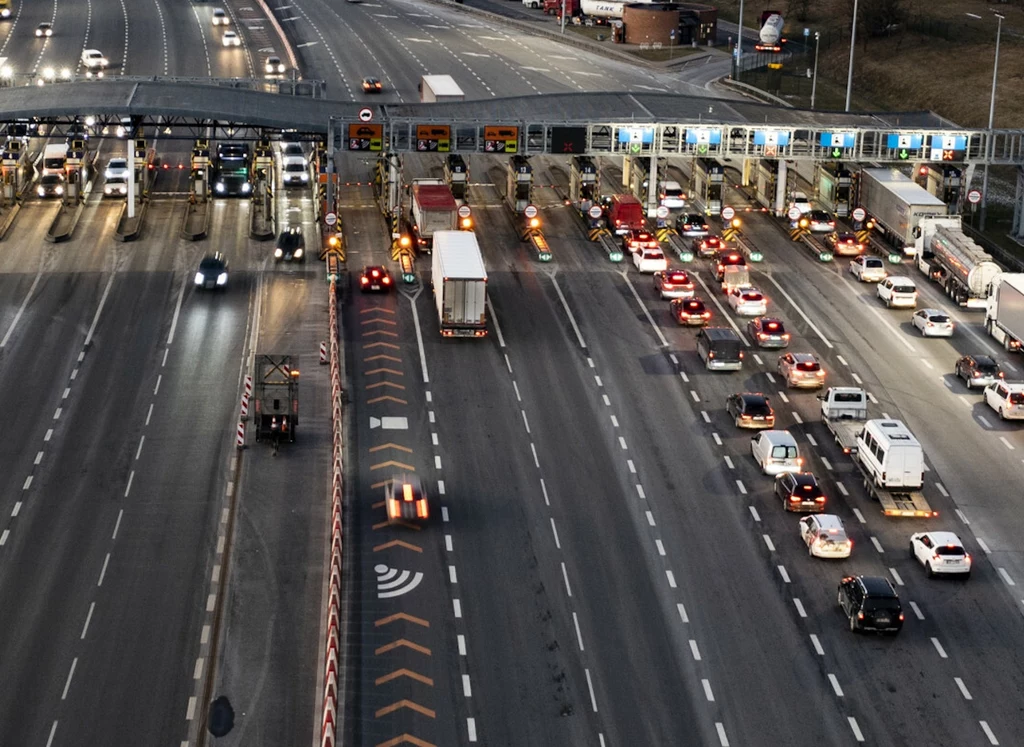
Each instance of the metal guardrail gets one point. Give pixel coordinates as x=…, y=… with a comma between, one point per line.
x=315, y=89
x=1000, y=255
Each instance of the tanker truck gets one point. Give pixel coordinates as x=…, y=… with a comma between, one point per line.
x=770, y=36
x=600, y=12
x=948, y=256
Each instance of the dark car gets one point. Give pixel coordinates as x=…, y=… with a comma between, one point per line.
x=692, y=224
x=212, y=272
x=372, y=85
x=707, y=246
x=290, y=246
x=691, y=312
x=768, y=332
x=375, y=278
x=978, y=370
x=725, y=260
x=799, y=491
x=844, y=244
x=871, y=603
x=50, y=185
x=750, y=410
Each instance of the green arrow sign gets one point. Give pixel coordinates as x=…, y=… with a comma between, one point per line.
x=408, y=277
x=634, y=147
x=615, y=256
x=836, y=153
x=702, y=148
x=904, y=154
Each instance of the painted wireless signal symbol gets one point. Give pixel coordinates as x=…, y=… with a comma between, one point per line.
x=392, y=582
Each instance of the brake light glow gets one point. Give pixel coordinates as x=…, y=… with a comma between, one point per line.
x=364, y=280
x=820, y=499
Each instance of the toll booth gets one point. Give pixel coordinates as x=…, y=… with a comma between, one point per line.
x=707, y=183
x=944, y=181
x=583, y=188
x=387, y=182
x=76, y=170
x=264, y=176
x=519, y=183
x=766, y=182
x=456, y=173
x=201, y=171
x=640, y=178
x=16, y=171
x=834, y=185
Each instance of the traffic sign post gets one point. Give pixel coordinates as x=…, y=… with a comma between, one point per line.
x=859, y=214
x=728, y=213
x=331, y=219
x=662, y=214
x=365, y=114
x=974, y=196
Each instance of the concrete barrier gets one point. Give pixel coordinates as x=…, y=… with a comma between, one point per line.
x=129, y=229
x=280, y=32
x=195, y=223
x=7, y=218
x=63, y=224
x=261, y=227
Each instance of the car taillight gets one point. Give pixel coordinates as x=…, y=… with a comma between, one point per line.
x=386, y=281
x=711, y=354
x=820, y=499
x=901, y=617
x=976, y=374
x=1001, y=374
x=375, y=273
x=860, y=615
x=745, y=417
x=741, y=355
x=364, y=280
x=707, y=315
x=761, y=335
x=785, y=336
x=794, y=499
x=821, y=373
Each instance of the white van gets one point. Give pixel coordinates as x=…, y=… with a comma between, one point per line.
x=776, y=452
x=898, y=292
x=890, y=454
x=54, y=157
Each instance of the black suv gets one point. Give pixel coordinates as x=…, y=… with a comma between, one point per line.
x=870, y=603
x=978, y=370
x=750, y=410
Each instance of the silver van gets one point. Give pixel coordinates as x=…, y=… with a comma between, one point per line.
x=776, y=452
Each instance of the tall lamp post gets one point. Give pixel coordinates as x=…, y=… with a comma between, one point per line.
x=814, y=80
x=853, y=41
x=739, y=42
x=991, y=121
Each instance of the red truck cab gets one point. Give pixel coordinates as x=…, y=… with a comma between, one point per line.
x=625, y=213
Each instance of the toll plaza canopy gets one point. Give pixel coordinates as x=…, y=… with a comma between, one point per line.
x=581, y=123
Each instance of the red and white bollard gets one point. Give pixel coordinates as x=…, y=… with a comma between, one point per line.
x=240, y=438
x=323, y=353
x=245, y=406
x=248, y=386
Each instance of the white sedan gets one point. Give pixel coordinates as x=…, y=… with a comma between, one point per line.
x=868, y=269
x=940, y=552
x=933, y=323
x=650, y=260
x=230, y=39
x=748, y=301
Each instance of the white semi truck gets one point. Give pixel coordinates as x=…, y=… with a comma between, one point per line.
x=436, y=89
x=460, y=284
x=898, y=203
x=948, y=256
x=1004, y=314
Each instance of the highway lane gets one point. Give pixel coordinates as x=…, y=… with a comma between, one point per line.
x=29, y=55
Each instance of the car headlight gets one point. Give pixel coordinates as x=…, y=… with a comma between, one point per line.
x=246, y=188
x=59, y=190
x=222, y=279
x=40, y=191
x=199, y=278
x=107, y=189
x=304, y=176
x=298, y=253
x=219, y=187
x=278, y=253
x=280, y=68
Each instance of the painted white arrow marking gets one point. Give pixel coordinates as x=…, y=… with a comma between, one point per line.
x=306, y=44
x=390, y=423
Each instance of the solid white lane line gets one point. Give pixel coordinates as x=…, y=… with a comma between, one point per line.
x=768, y=542
x=707, y=690
x=643, y=308
x=554, y=531
x=579, y=635
x=917, y=611
x=694, y=650
x=799, y=607
x=857, y=734
x=590, y=687
x=963, y=688
x=497, y=328
x=103, y=301
x=877, y=544
x=565, y=577
x=835, y=685
x=817, y=645
x=14, y=322
x=572, y=319
x=896, y=577
x=984, y=727
x=939, y=648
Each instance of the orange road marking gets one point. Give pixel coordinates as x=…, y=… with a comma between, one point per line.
x=390, y=446
x=381, y=345
x=380, y=332
x=405, y=704
x=397, y=543
x=383, y=370
x=376, y=308
x=400, y=616
x=385, y=398
x=378, y=504
x=378, y=321
x=396, y=522
x=406, y=738
x=385, y=357
x=384, y=383
x=392, y=463
x=400, y=643
x=404, y=673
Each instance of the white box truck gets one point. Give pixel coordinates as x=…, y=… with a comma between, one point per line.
x=436, y=89
x=460, y=284
x=898, y=203
x=1004, y=316
x=891, y=461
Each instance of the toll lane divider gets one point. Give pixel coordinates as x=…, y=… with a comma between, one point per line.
x=329, y=724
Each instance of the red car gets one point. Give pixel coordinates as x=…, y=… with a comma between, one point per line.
x=690, y=312
x=375, y=278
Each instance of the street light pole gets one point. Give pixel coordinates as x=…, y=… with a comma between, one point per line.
x=739, y=42
x=991, y=122
x=563, y=16
x=853, y=41
x=814, y=80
